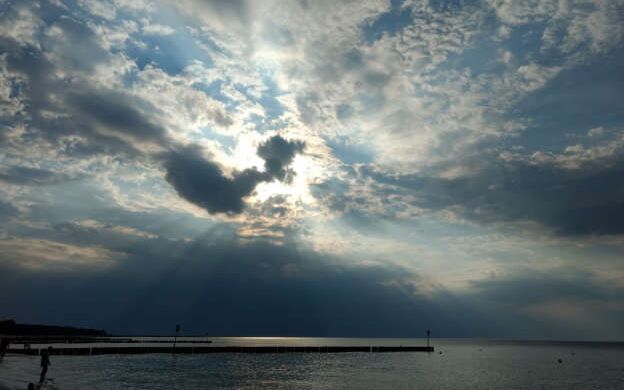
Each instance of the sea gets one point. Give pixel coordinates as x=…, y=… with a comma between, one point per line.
x=455, y=364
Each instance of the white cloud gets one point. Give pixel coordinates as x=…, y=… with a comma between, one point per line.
x=35, y=253
x=156, y=29
x=181, y=108
x=533, y=76
x=103, y=9
x=578, y=156
x=596, y=131
x=520, y=12
x=22, y=24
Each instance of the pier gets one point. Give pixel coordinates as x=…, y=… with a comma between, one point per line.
x=131, y=350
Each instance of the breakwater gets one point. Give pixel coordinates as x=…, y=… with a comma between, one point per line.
x=125, y=350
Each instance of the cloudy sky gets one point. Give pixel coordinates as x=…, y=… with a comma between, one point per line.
x=312, y=167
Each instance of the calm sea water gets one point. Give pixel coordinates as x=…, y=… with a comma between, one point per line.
x=463, y=364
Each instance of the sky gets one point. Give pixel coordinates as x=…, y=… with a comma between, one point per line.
x=319, y=168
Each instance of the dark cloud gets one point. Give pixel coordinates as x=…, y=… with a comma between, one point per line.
x=563, y=303
x=221, y=286
x=583, y=201
x=277, y=154
x=218, y=285
x=118, y=112
x=30, y=63
x=203, y=182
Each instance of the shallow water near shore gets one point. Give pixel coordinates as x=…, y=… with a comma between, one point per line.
x=462, y=364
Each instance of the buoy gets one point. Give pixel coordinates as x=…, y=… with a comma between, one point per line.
x=560, y=361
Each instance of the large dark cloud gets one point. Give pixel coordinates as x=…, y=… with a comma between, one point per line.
x=565, y=303
x=581, y=201
x=218, y=285
x=203, y=182
x=221, y=286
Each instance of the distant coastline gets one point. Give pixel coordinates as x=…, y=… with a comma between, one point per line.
x=12, y=328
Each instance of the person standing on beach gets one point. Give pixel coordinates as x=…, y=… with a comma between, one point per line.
x=45, y=362
x=4, y=345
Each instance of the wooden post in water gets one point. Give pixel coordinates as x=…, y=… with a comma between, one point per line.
x=175, y=338
x=428, y=336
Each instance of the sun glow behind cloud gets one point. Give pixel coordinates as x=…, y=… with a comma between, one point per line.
x=297, y=190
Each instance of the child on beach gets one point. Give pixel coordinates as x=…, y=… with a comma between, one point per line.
x=4, y=345
x=45, y=362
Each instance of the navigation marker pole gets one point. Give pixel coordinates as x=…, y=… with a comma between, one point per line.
x=175, y=338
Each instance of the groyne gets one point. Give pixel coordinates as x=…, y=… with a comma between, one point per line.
x=131, y=350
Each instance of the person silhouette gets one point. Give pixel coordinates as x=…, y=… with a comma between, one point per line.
x=4, y=346
x=45, y=362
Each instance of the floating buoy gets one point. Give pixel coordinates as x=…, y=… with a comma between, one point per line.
x=559, y=361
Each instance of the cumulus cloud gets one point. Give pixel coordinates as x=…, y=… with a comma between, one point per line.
x=21, y=24
x=57, y=106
